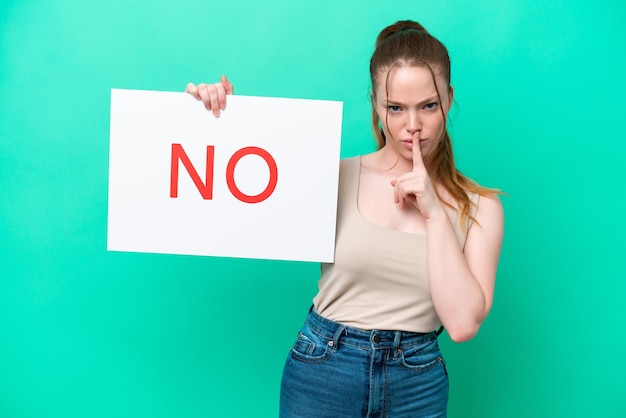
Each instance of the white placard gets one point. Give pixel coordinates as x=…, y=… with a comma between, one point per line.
x=273, y=191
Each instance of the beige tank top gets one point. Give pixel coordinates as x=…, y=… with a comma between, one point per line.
x=379, y=279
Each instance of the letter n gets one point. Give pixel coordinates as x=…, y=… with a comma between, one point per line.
x=179, y=154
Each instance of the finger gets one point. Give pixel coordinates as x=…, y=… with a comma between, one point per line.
x=193, y=90
x=228, y=85
x=203, y=92
x=394, y=183
x=221, y=96
x=396, y=190
x=213, y=97
x=208, y=93
x=418, y=162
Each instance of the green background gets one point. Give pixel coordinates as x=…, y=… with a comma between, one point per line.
x=88, y=333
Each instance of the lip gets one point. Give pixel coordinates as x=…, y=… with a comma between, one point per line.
x=408, y=143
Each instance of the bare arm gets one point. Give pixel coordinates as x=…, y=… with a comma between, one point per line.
x=461, y=281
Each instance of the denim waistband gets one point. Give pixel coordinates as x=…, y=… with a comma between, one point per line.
x=382, y=339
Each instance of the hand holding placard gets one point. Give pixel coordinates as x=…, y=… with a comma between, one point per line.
x=212, y=95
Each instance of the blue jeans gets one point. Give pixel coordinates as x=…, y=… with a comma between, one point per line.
x=336, y=371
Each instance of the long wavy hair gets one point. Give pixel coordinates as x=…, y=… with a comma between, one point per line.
x=407, y=43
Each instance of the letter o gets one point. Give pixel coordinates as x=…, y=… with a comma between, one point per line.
x=230, y=174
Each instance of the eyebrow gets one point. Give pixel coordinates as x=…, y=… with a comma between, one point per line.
x=423, y=102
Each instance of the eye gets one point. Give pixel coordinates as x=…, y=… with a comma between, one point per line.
x=431, y=106
x=393, y=108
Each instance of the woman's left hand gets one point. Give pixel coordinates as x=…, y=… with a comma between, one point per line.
x=416, y=186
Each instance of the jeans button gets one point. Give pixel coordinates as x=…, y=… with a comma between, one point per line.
x=376, y=338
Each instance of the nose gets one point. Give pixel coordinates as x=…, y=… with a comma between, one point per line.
x=414, y=124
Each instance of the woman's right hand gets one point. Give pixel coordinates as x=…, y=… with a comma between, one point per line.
x=212, y=95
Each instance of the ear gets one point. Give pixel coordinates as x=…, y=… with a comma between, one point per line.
x=450, y=96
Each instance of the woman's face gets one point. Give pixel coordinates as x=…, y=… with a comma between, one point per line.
x=408, y=106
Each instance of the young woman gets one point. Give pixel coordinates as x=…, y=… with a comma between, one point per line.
x=417, y=249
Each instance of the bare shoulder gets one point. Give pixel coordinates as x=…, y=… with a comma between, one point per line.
x=489, y=206
x=369, y=161
x=489, y=219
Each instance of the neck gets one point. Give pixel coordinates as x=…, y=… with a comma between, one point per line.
x=390, y=160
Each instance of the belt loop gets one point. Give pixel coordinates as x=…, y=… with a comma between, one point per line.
x=439, y=331
x=335, y=341
x=396, y=344
x=396, y=340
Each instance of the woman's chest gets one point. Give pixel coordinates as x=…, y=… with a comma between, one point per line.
x=376, y=203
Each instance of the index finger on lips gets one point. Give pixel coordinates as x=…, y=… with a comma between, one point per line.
x=418, y=162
